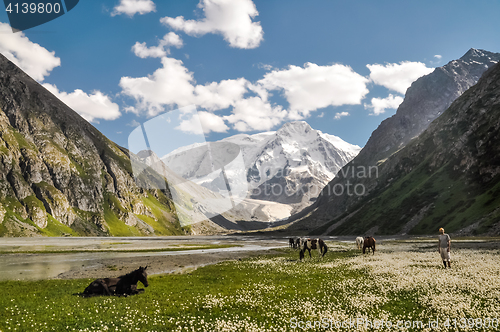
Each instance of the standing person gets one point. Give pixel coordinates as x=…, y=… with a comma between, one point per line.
x=444, y=247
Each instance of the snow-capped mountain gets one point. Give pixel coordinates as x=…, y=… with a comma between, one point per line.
x=288, y=166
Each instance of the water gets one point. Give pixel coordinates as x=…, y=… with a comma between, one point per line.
x=22, y=266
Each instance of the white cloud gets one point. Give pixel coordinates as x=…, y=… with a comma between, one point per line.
x=132, y=7
x=398, y=77
x=230, y=18
x=215, y=96
x=264, y=66
x=91, y=107
x=134, y=123
x=209, y=122
x=162, y=50
x=312, y=87
x=170, y=85
x=437, y=56
x=253, y=113
x=35, y=60
x=379, y=105
x=322, y=114
x=338, y=116
x=173, y=86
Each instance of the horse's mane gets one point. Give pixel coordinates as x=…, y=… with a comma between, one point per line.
x=130, y=275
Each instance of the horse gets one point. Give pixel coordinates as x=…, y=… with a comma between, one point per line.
x=123, y=285
x=291, y=243
x=314, y=244
x=359, y=242
x=369, y=242
x=302, y=240
x=297, y=243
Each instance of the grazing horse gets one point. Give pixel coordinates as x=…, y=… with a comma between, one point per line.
x=359, y=242
x=314, y=244
x=297, y=243
x=291, y=243
x=302, y=240
x=123, y=285
x=369, y=242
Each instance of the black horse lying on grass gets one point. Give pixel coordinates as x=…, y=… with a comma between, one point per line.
x=123, y=285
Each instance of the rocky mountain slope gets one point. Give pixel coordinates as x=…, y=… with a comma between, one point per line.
x=448, y=177
x=425, y=100
x=60, y=176
x=284, y=169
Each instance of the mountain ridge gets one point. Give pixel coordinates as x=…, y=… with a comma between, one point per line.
x=60, y=176
x=295, y=157
x=448, y=177
x=425, y=100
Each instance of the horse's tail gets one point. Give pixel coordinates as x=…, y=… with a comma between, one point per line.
x=301, y=255
x=374, y=246
x=326, y=248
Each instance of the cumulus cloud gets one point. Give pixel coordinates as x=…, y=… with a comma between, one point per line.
x=379, y=105
x=253, y=113
x=173, y=86
x=312, y=87
x=215, y=96
x=171, y=39
x=398, y=77
x=208, y=121
x=90, y=106
x=438, y=56
x=32, y=58
x=340, y=115
x=230, y=18
x=132, y=7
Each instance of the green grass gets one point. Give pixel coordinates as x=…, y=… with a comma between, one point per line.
x=451, y=201
x=116, y=226
x=53, y=304
x=166, y=222
x=257, y=294
x=56, y=228
x=163, y=223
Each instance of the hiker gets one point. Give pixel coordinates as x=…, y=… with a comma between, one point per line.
x=444, y=247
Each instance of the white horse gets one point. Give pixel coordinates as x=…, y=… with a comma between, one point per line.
x=359, y=242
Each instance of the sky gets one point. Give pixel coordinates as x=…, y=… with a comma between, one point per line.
x=244, y=66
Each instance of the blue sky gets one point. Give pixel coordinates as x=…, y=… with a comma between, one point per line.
x=248, y=66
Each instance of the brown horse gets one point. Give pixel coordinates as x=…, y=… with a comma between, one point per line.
x=313, y=244
x=123, y=285
x=369, y=242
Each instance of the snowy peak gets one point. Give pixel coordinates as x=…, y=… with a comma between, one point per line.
x=479, y=56
x=295, y=129
x=296, y=158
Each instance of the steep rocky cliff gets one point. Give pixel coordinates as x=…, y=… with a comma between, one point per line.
x=448, y=177
x=60, y=176
x=425, y=100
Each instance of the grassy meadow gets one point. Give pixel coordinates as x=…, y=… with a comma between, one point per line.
x=403, y=284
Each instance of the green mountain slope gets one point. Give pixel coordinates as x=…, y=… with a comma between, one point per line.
x=60, y=176
x=447, y=177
